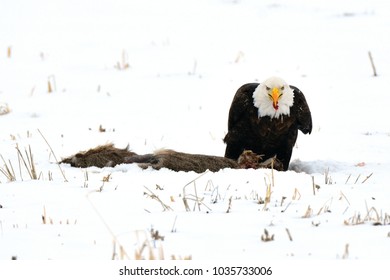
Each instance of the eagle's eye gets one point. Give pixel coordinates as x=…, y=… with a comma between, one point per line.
x=267, y=88
x=282, y=88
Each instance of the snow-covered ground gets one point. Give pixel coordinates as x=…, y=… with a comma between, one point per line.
x=162, y=74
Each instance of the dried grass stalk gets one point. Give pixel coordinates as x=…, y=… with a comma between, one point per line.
x=155, y=197
x=198, y=201
x=8, y=170
x=266, y=237
x=289, y=234
x=28, y=162
x=372, y=64
x=4, y=108
x=368, y=177
x=52, y=152
x=308, y=213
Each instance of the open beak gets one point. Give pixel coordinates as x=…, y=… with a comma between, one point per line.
x=275, y=98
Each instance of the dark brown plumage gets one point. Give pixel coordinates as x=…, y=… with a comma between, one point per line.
x=265, y=135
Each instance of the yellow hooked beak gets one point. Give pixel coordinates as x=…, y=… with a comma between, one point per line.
x=275, y=97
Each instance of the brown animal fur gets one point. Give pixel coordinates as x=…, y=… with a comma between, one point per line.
x=101, y=156
x=109, y=156
x=182, y=161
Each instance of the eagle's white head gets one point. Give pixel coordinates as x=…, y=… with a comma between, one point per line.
x=273, y=98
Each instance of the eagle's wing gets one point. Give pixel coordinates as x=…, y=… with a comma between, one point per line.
x=302, y=110
x=243, y=99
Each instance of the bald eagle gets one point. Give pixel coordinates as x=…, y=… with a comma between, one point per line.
x=265, y=118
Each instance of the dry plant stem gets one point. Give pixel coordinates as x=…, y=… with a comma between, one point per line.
x=348, y=179
x=49, y=87
x=368, y=177
x=386, y=220
x=327, y=179
x=314, y=185
x=20, y=168
x=50, y=175
x=268, y=193
x=188, y=209
x=30, y=166
x=51, y=84
x=372, y=209
x=138, y=253
x=174, y=225
x=113, y=250
x=346, y=251
x=195, y=65
x=377, y=220
x=8, y=170
x=296, y=195
x=44, y=218
x=289, y=234
x=161, y=253
x=325, y=207
x=86, y=178
x=122, y=252
x=59, y=166
x=31, y=162
x=146, y=245
x=186, y=197
x=357, y=179
x=190, y=182
x=154, y=196
x=378, y=217
x=285, y=209
x=372, y=63
x=308, y=212
x=123, y=63
x=107, y=226
x=197, y=200
x=343, y=195
x=214, y=193
x=196, y=196
x=282, y=201
x=230, y=205
x=209, y=185
x=266, y=237
x=151, y=253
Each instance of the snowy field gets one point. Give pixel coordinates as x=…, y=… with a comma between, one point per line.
x=162, y=74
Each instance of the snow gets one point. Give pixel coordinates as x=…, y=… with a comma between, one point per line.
x=162, y=74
